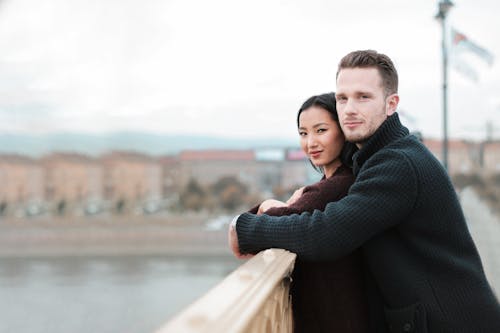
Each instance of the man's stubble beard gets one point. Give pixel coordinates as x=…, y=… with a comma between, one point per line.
x=358, y=140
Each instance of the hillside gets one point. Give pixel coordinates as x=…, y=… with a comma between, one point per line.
x=153, y=144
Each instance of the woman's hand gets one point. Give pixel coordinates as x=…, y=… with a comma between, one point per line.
x=295, y=196
x=232, y=237
x=270, y=203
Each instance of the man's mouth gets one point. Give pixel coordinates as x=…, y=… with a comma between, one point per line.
x=352, y=123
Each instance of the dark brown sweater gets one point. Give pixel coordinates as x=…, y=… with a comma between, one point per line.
x=327, y=296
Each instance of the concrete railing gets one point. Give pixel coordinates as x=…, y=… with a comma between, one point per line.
x=253, y=298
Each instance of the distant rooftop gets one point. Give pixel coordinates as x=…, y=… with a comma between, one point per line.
x=68, y=157
x=130, y=156
x=16, y=159
x=217, y=155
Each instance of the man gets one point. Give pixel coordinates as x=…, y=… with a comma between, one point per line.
x=423, y=270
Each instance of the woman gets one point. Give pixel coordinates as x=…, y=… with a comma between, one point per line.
x=326, y=296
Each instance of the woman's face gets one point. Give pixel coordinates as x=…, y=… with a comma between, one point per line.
x=321, y=138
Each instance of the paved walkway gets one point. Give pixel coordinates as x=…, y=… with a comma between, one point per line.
x=485, y=229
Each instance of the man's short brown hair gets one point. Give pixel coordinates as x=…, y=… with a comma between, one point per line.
x=370, y=58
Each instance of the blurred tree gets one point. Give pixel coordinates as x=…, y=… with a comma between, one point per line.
x=193, y=196
x=232, y=197
x=3, y=208
x=120, y=206
x=61, y=207
x=282, y=193
x=222, y=183
x=231, y=192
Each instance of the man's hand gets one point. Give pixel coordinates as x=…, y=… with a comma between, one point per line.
x=232, y=238
x=269, y=203
x=295, y=196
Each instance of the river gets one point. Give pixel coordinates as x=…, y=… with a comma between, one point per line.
x=102, y=294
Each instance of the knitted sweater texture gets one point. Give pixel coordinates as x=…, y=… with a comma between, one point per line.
x=424, y=272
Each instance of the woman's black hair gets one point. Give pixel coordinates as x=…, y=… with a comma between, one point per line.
x=327, y=102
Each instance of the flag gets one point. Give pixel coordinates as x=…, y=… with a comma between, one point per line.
x=460, y=46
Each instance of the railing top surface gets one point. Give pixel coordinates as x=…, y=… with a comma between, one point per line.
x=230, y=305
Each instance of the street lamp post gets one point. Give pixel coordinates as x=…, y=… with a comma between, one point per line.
x=444, y=7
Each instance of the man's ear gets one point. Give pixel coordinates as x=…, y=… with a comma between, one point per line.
x=392, y=104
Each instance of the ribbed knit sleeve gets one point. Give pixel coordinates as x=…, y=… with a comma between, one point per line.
x=384, y=192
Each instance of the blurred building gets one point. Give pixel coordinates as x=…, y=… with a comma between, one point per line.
x=261, y=170
x=490, y=156
x=170, y=173
x=208, y=166
x=121, y=180
x=297, y=170
x=269, y=175
x=71, y=179
x=130, y=178
x=463, y=156
x=22, y=182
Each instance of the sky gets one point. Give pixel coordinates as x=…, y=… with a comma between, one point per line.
x=229, y=68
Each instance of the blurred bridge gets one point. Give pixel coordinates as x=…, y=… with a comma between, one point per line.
x=484, y=226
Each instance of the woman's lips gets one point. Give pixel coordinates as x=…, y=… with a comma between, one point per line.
x=315, y=154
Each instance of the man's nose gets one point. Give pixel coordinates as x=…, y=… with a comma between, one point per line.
x=349, y=107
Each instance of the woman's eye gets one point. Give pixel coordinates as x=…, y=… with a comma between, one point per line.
x=302, y=133
x=321, y=130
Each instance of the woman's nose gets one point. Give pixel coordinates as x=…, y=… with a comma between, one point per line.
x=311, y=141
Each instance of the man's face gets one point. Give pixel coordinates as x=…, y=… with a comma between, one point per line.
x=362, y=104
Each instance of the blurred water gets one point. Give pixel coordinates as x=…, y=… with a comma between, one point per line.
x=112, y=294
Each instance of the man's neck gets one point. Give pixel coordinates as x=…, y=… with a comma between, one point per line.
x=361, y=144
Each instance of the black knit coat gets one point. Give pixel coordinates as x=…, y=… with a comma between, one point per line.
x=424, y=273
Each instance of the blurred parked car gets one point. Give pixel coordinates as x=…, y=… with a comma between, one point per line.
x=218, y=223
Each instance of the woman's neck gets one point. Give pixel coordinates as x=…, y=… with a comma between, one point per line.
x=331, y=168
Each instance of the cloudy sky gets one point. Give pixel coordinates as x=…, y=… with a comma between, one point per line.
x=228, y=67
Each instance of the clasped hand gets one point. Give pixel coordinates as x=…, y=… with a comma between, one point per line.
x=264, y=206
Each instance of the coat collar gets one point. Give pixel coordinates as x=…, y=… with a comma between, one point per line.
x=390, y=131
